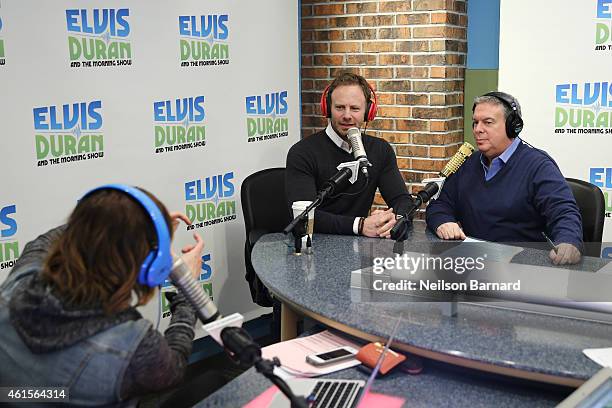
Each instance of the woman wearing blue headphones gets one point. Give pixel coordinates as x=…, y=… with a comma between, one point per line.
x=67, y=309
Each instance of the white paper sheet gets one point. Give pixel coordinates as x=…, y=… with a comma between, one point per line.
x=602, y=356
x=292, y=354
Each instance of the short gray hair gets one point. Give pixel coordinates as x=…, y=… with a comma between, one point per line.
x=494, y=100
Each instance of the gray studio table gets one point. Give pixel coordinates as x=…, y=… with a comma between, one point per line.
x=484, y=356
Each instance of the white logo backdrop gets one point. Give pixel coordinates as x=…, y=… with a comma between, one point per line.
x=239, y=49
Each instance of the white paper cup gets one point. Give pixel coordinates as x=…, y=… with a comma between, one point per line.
x=298, y=207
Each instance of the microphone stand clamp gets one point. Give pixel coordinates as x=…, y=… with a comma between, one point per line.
x=266, y=367
x=353, y=166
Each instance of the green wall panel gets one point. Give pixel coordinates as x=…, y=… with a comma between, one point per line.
x=477, y=82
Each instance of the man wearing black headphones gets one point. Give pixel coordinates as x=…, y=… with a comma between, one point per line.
x=511, y=191
x=348, y=102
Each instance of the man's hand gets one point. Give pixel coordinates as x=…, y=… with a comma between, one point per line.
x=379, y=224
x=450, y=230
x=566, y=254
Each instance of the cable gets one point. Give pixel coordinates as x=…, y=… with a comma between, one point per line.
x=352, y=194
x=159, y=309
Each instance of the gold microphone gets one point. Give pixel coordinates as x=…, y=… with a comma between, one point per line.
x=457, y=160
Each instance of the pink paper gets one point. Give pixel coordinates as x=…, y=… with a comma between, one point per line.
x=374, y=400
x=264, y=399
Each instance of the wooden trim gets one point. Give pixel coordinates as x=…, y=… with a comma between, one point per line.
x=288, y=322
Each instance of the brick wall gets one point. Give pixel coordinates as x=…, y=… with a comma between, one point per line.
x=412, y=52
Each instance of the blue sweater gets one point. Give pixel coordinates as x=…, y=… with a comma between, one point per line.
x=528, y=195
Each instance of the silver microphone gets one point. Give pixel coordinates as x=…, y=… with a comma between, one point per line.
x=354, y=137
x=181, y=277
x=235, y=339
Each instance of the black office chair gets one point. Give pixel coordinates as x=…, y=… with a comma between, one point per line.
x=591, y=203
x=265, y=210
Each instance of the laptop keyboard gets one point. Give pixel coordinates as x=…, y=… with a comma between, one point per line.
x=336, y=393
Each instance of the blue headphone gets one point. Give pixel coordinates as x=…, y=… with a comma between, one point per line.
x=158, y=263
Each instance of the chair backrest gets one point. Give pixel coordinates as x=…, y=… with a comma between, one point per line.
x=591, y=204
x=264, y=202
x=265, y=210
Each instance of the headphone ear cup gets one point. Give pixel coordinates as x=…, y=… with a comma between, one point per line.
x=514, y=125
x=518, y=125
x=143, y=277
x=372, y=106
x=326, y=103
x=368, y=112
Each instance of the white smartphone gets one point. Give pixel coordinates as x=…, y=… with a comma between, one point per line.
x=331, y=356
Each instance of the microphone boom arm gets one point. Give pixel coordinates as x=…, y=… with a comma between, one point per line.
x=432, y=189
x=348, y=171
x=318, y=200
x=400, y=229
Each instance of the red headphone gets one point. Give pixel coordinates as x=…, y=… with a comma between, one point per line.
x=371, y=106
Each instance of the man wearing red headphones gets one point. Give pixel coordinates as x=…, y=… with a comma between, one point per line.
x=348, y=102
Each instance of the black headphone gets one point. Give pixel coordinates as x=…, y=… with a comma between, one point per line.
x=514, y=122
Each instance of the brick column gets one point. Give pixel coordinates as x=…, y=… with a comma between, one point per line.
x=412, y=52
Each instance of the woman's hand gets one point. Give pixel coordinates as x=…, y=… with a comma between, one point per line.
x=176, y=218
x=192, y=255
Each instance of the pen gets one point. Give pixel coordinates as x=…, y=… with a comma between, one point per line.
x=552, y=244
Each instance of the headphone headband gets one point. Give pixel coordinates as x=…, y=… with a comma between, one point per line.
x=158, y=263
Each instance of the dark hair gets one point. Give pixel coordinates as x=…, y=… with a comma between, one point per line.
x=348, y=78
x=96, y=260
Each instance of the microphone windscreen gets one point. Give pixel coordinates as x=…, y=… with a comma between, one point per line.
x=457, y=160
x=180, y=276
x=354, y=137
